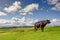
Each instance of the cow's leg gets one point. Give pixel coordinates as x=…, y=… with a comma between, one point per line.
x=35, y=28
x=42, y=29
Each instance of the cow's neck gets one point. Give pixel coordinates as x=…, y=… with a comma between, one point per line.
x=45, y=23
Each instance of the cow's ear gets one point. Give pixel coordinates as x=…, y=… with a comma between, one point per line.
x=48, y=18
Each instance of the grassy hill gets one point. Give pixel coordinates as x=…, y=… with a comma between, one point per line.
x=50, y=33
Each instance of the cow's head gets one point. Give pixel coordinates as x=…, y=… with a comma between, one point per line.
x=48, y=21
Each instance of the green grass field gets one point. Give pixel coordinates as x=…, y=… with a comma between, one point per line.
x=50, y=33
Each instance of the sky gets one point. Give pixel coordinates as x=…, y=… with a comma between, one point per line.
x=27, y=12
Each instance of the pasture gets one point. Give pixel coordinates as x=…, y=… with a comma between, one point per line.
x=50, y=33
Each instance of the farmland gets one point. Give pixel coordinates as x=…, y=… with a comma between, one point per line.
x=50, y=33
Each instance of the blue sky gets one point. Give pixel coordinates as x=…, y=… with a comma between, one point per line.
x=20, y=11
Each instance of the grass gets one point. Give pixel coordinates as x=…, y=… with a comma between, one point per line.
x=50, y=33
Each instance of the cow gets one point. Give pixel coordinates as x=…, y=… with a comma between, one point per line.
x=41, y=24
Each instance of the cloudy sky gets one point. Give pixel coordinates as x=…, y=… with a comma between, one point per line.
x=26, y=12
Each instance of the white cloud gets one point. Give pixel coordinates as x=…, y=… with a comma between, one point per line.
x=52, y=1
x=2, y=14
x=29, y=8
x=55, y=22
x=4, y=21
x=10, y=22
x=31, y=13
x=25, y=22
x=56, y=7
x=18, y=21
x=22, y=13
x=26, y=13
x=13, y=7
x=30, y=22
x=13, y=21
